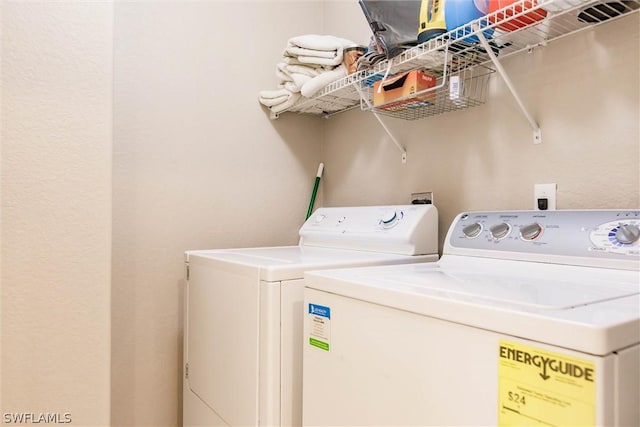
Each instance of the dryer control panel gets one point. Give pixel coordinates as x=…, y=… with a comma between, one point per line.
x=402, y=229
x=581, y=237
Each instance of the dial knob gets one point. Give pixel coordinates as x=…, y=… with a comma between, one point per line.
x=627, y=233
x=320, y=218
x=530, y=231
x=472, y=230
x=390, y=219
x=500, y=231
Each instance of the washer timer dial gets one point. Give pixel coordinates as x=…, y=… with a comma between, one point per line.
x=627, y=233
x=617, y=237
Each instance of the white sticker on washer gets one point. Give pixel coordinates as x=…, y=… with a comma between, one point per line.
x=319, y=318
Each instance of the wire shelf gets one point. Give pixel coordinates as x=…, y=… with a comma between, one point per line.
x=521, y=26
x=463, y=89
x=336, y=97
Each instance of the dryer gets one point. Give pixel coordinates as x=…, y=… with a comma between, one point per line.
x=528, y=318
x=244, y=309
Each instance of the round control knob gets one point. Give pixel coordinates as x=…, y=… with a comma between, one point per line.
x=530, y=231
x=320, y=218
x=390, y=219
x=627, y=233
x=500, y=231
x=472, y=230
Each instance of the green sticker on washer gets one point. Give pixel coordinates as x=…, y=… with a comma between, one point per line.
x=320, y=344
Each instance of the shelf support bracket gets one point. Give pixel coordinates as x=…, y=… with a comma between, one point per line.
x=393, y=139
x=537, y=134
x=399, y=146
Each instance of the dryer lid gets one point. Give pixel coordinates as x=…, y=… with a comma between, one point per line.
x=290, y=262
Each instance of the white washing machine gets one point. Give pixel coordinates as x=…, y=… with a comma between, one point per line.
x=244, y=309
x=529, y=318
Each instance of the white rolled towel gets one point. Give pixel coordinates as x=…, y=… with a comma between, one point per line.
x=278, y=100
x=275, y=93
x=317, y=49
x=270, y=102
x=317, y=83
x=319, y=42
x=285, y=71
x=296, y=84
x=330, y=62
x=291, y=81
x=300, y=80
x=282, y=73
x=308, y=69
x=293, y=98
x=297, y=51
x=274, y=97
x=290, y=60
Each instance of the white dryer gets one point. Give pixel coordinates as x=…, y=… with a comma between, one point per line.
x=529, y=318
x=244, y=309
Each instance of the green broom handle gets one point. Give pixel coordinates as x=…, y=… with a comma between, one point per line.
x=315, y=190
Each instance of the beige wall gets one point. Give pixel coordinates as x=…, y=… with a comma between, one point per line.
x=1, y=205
x=197, y=164
x=56, y=209
x=583, y=91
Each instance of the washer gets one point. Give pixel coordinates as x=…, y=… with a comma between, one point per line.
x=244, y=309
x=529, y=318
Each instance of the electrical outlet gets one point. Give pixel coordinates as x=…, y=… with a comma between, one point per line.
x=425, y=198
x=544, y=197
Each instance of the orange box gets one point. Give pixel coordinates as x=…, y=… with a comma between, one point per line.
x=402, y=86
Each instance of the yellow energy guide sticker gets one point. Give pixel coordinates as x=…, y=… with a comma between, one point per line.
x=540, y=387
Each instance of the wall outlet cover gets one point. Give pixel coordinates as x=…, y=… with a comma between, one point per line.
x=544, y=197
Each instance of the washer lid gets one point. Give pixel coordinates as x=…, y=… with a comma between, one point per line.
x=594, y=310
x=536, y=290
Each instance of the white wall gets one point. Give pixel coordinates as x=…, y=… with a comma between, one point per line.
x=56, y=209
x=197, y=164
x=584, y=92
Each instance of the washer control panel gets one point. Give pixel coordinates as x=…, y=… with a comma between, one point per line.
x=613, y=234
x=404, y=229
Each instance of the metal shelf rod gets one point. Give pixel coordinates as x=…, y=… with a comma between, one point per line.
x=403, y=151
x=537, y=134
x=399, y=146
